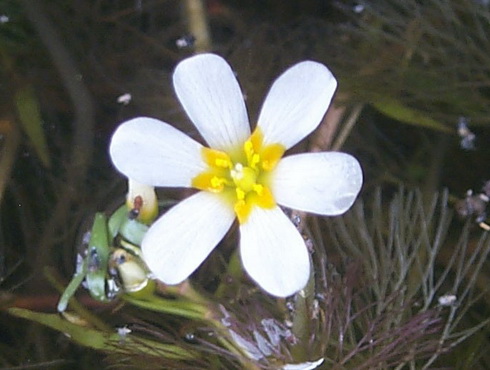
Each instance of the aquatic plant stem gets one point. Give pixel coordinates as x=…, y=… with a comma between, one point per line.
x=73, y=303
x=233, y=274
x=11, y=135
x=323, y=136
x=104, y=341
x=197, y=23
x=347, y=128
x=201, y=310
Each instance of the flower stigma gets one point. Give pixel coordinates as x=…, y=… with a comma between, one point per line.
x=243, y=175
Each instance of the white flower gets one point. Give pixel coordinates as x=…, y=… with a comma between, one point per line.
x=242, y=174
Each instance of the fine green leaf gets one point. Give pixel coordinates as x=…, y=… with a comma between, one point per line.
x=30, y=118
x=99, y=340
x=180, y=308
x=394, y=109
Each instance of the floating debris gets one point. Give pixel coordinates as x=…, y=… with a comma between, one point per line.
x=358, y=8
x=185, y=41
x=447, y=300
x=475, y=205
x=124, y=99
x=123, y=331
x=467, y=137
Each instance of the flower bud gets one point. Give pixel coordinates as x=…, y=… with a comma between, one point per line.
x=142, y=201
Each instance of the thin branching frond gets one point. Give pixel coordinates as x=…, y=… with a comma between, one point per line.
x=430, y=56
x=405, y=298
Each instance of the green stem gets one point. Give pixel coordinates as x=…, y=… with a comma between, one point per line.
x=74, y=305
x=190, y=310
x=102, y=340
x=234, y=273
x=302, y=319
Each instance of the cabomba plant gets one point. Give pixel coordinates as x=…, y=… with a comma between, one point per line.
x=374, y=288
x=422, y=63
x=392, y=288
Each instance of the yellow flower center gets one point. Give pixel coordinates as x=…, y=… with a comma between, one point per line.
x=241, y=176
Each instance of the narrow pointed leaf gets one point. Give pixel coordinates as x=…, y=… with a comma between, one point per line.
x=30, y=117
x=394, y=109
x=103, y=341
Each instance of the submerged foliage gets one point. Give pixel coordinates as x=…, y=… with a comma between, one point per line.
x=410, y=262
x=430, y=56
x=392, y=287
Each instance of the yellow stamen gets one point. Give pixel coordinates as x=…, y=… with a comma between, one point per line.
x=271, y=155
x=240, y=194
x=216, y=158
x=257, y=138
x=259, y=189
x=243, y=181
x=209, y=181
x=242, y=210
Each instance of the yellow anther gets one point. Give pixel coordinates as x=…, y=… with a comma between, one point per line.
x=249, y=151
x=271, y=155
x=254, y=161
x=216, y=158
x=223, y=163
x=209, y=181
x=240, y=194
x=248, y=147
x=243, y=181
x=218, y=182
x=259, y=189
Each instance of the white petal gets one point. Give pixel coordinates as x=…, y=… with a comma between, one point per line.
x=154, y=153
x=273, y=252
x=325, y=183
x=209, y=92
x=179, y=241
x=296, y=103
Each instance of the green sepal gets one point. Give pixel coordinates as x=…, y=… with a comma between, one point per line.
x=116, y=220
x=131, y=230
x=72, y=287
x=97, y=258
